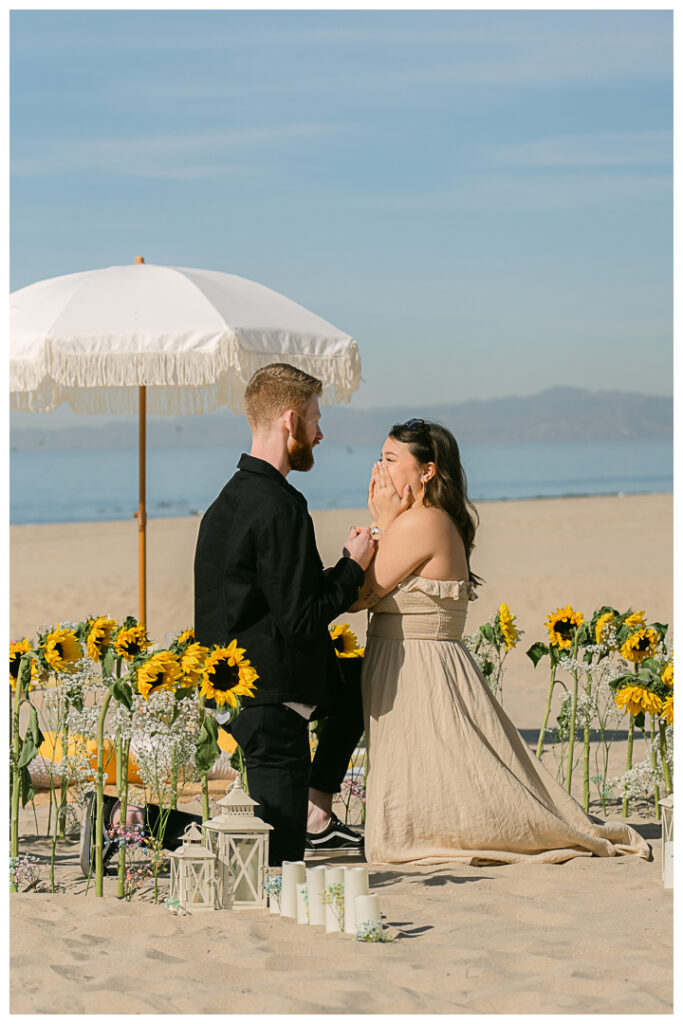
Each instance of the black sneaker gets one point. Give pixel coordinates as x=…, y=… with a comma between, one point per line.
x=336, y=836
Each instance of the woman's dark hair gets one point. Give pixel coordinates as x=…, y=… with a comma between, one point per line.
x=447, y=490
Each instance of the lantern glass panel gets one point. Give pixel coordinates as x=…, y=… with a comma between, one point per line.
x=244, y=866
x=217, y=843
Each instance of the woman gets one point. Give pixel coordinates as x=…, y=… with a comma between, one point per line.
x=449, y=776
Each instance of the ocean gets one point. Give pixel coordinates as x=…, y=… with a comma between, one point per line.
x=89, y=485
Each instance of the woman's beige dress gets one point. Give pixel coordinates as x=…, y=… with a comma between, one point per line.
x=449, y=776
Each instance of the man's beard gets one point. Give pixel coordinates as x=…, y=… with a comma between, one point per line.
x=300, y=455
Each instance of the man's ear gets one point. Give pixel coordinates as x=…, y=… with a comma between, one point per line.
x=289, y=420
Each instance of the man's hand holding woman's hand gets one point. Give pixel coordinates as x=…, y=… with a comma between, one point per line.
x=384, y=502
x=360, y=546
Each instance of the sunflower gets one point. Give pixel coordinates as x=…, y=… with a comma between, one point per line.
x=506, y=621
x=636, y=699
x=131, y=641
x=16, y=649
x=99, y=636
x=640, y=645
x=668, y=674
x=62, y=649
x=186, y=637
x=635, y=619
x=667, y=712
x=562, y=625
x=345, y=642
x=161, y=671
x=192, y=662
x=228, y=675
x=601, y=626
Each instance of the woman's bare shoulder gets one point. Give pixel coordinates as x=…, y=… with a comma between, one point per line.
x=431, y=520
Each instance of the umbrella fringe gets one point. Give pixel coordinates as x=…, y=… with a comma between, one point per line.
x=178, y=382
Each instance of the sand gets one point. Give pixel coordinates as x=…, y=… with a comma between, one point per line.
x=589, y=936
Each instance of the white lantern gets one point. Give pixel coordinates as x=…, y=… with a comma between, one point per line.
x=667, y=806
x=193, y=873
x=240, y=842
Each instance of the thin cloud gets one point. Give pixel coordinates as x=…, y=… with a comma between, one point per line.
x=163, y=156
x=620, y=149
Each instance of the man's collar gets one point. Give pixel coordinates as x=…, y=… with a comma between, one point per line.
x=253, y=465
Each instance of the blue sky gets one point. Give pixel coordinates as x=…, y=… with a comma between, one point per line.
x=482, y=199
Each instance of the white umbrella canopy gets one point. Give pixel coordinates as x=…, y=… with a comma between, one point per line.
x=164, y=339
x=193, y=337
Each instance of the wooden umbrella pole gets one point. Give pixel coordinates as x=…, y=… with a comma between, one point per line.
x=142, y=512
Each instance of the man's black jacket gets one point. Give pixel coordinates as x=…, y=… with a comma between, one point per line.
x=258, y=578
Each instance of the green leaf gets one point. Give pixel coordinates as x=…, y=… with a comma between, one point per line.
x=554, y=655
x=207, y=751
x=24, y=674
x=487, y=631
x=537, y=651
x=639, y=720
x=183, y=691
x=487, y=668
x=584, y=634
x=628, y=679
x=32, y=740
x=121, y=691
x=27, y=790
x=661, y=629
x=108, y=661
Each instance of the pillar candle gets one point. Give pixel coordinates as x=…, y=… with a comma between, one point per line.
x=355, y=884
x=367, y=910
x=293, y=871
x=333, y=876
x=301, y=904
x=315, y=880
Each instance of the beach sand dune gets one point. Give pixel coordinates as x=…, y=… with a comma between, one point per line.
x=588, y=936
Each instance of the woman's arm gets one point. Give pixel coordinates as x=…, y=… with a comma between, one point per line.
x=407, y=543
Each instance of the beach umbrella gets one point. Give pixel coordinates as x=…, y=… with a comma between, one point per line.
x=159, y=339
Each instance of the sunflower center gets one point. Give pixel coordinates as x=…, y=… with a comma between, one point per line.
x=132, y=647
x=60, y=650
x=14, y=665
x=156, y=680
x=225, y=676
x=643, y=643
x=338, y=644
x=564, y=628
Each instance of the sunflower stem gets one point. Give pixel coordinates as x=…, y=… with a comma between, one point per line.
x=99, y=826
x=123, y=797
x=629, y=763
x=539, y=748
x=64, y=784
x=653, y=754
x=668, y=784
x=53, y=843
x=572, y=733
x=587, y=749
x=23, y=673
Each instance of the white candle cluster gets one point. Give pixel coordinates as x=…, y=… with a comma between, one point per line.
x=337, y=898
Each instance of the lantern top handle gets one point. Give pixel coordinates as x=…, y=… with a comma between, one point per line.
x=236, y=801
x=193, y=834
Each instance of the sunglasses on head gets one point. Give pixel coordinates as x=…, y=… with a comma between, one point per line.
x=411, y=424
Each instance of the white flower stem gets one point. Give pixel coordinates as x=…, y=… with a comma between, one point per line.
x=653, y=754
x=99, y=868
x=629, y=763
x=664, y=755
x=539, y=748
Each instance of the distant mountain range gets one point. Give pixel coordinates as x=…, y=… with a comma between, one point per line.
x=557, y=414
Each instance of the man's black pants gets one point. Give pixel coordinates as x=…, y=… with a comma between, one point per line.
x=274, y=740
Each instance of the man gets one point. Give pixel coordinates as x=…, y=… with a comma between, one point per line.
x=259, y=579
